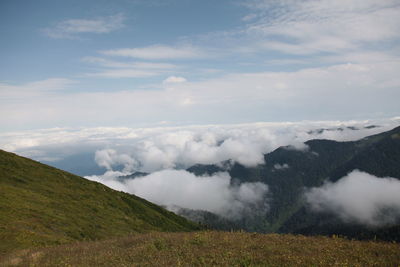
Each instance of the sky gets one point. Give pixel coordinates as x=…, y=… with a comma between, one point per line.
x=137, y=63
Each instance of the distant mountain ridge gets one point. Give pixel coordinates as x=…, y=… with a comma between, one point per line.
x=41, y=205
x=288, y=171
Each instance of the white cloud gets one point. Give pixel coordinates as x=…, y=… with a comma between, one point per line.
x=73, y=27
x=157, y=52
x=359, y=197
x=173, y=188
x=174, y=79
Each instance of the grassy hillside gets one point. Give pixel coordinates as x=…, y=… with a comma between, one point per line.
x=212, y=249
x=41, y=205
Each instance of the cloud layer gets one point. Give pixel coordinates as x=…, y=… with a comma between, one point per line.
x=158, y=148
x=246, y=144
x=359, y=197
x=365, y=90
x=180, y=189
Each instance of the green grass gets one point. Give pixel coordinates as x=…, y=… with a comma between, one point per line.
x=41, y=206
x=212, y=249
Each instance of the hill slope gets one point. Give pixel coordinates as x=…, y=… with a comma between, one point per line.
x=41, y=205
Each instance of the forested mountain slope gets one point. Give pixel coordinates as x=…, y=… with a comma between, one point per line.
x=288, y=172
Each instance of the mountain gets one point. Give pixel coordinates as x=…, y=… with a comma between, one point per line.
x=41, y=205
x=288, y=172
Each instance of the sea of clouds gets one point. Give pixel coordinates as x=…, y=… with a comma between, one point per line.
x=165, y=153
x=159, y=148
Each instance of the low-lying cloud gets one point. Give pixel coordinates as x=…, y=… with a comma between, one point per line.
x=359, y=197
x=179, y=188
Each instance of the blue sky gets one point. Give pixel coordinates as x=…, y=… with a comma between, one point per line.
x=140, y=63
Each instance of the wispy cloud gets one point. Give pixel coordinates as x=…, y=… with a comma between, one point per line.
x=34, y=88
x=123, y=73
x=69, y=29
x=157, y=52
x=311, y=27
x=121, y=69
x=249, y=17
x=308, y=30
x=119, y=64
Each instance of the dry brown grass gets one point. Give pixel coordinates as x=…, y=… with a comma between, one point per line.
x=212, y=248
